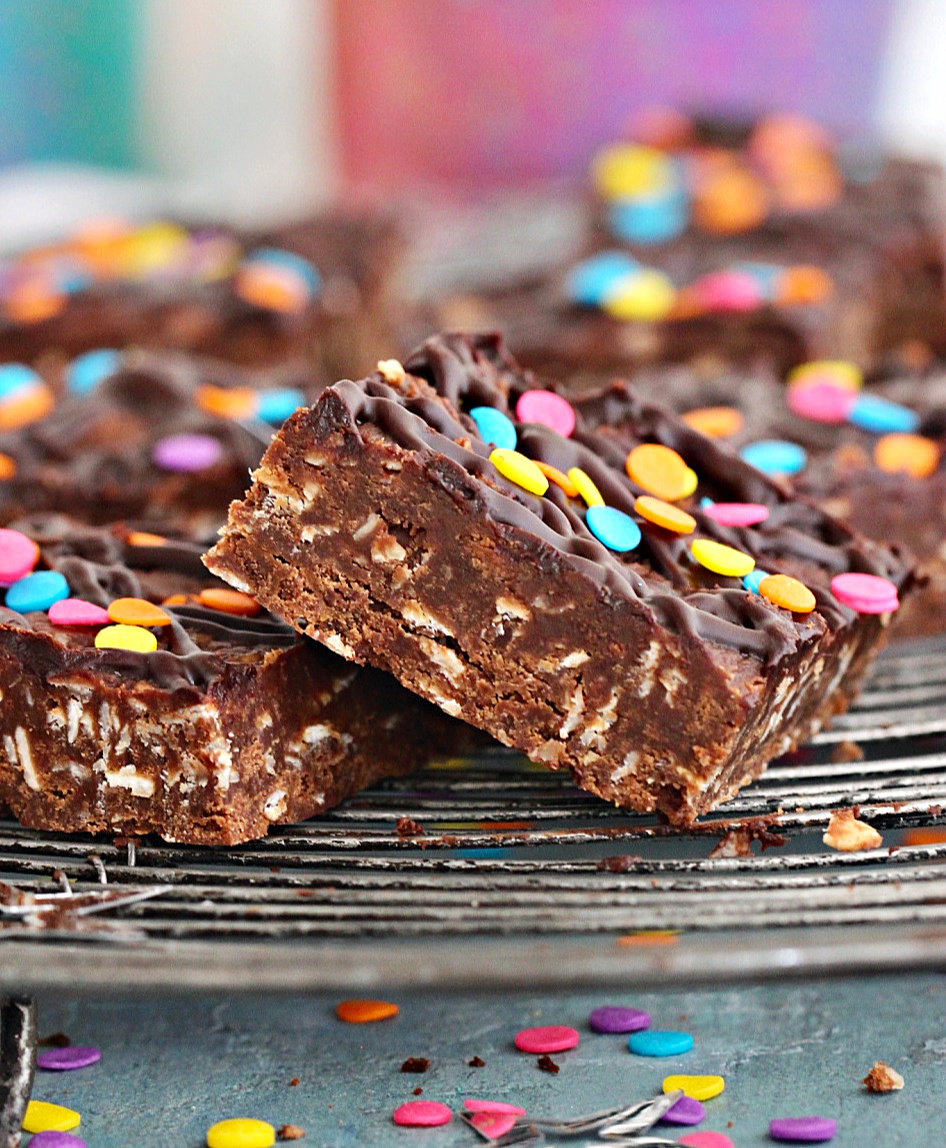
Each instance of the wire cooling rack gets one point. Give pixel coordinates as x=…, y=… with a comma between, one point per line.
x=489, y=871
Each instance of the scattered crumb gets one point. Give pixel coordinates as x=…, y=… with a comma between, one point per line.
x=619, y=864
x=547, y=1064
x=883, y=1078
x=846, y=751
x=294, y=1082
x=415, y=1064
x=55, y=1040
x=408, y=827
x=290, y=1132
x=936, y=810
x=849, y=835
x=391, y=370
x=476, y=1062
x=737, y=841
x=729, y=1124
x=418, y=1091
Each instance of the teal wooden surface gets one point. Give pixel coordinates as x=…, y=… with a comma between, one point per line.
x=173, y=1066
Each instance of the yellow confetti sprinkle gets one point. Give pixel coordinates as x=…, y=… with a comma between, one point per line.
x=126, y=638
x=696, y=1087
x=241, y=1133
x=519, y=469
x=725, y=560
x=585, y=487
x=41, y=1116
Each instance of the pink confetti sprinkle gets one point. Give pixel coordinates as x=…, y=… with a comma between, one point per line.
x=727, y=291
x=865, y=593
x=706, y=1140
x=737, y=513
x=495, y=1106
x=18, y=555
x=422, y=1114
x=547, y=408
x=77, y=612
x=187, y=452
x=822, y=402
x=493, y=1124
x=548, y=1038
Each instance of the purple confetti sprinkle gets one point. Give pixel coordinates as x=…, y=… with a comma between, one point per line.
x=808, y=1129
x=612, y=1018
x=186, y=452
x=56, y=1140
x=685, y=1111
x=64, y=1059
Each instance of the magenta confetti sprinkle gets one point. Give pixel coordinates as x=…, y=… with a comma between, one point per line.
x=547, y=1038
x=422, y=1114
x=187, y=452
x=613, y=1018
x=66, y=1059
x=495, y=1106
x=50, y=1139
x=806, y=1129
x=685, y=1111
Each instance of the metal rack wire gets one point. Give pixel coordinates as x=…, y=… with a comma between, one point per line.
x=491, y=871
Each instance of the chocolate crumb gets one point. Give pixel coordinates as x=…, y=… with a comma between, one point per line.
x=294, y=1082
x=883, y=1078
x=55, y=1040
x=936, y=810
x=476, y=1062
x=418, y=1091
x=547, y=1064
x=620, y=864
x=737, y=841
x=408, y=827
x=290, y=1132
x=846, y=751
x=415, y=1064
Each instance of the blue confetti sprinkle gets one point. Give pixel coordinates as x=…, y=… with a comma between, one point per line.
x=613, y=528
x=589, y=282
x=872, y=413
x=277, y=257
x=753, y=578
x=775, y=456
x=704, y=502
x=37, y=591
x=277, y=405
x=659, y=1042
x=766, y=276
x=495, y=427
x=85, y=372
x=16, y=379
x=653, y=220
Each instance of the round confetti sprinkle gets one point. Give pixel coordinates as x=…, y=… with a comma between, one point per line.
x=547, y=408
x=685, y=1111
x=37, y=591
x=715, y=422
x=696, y=1087
x=690, y=482
x=519, y=469
x=364, y=1011
x=137, y=612
x=178, y=600
x=144, y=538
x=227, y=402
x=910, y=454
x=665, y=514
x=821, y=402
x=613, y=528
x=872, y=413
x=659, y=1042
x=241, y=1132
x=7, y=467
x=422, y=1114
x=86, y=371
x=622, y=170
x=789, y=593
x=17, y=379
x=187, y=452
x=497, y=1106
x=495, y=427
x=588, y=283
x=725, y=560
x=727, y=291
x=614, y=1018
x=807, y=1129
x=66, y=1059
x=18, y=555
x=41, y=1116
x=706, y=1140
x=585, y=486
x=730, y=200
x=546, y=1038
x=120, y=637
x=229, y=601
x=837, y=371
x=77, y=612
x=775, y=456
x=754, y=578
x=57, y=1140
x=645, y=295
x=277, y=405
x=553, y=474
x=865, y=593
x=650, y=219
x=277, y=280
x=659, y=470
x=803, y=285
x=493, y=1124
x=29, y=407
x=736, y=513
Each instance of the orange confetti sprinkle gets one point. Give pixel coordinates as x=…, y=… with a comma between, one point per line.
x=663, y=514
x=229, y=601
x=789, y=593
x=731, y=199
x=660, y=471
x=178, y=600
x=143, y=538
x=908, y=454
x=553, y=474
x=7, y=467
x=33, y=301
x=647, y=938
x=137, y=612
x=263, y=287
x=715, y=422
x=27, y=408
x=364, y=1012
x=804, y=285
x=813, y=184
x=227, y=402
